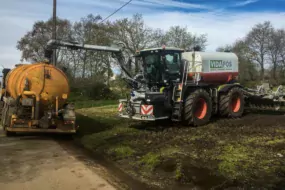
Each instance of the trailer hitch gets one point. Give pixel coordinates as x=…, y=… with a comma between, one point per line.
x=130, y=109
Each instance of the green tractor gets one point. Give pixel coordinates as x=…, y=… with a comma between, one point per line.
x=187, y=87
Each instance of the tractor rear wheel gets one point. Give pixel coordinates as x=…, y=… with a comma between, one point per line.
x=197, y=108
x=231, y=104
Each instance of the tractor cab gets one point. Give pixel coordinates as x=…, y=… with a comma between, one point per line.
x=160, y=65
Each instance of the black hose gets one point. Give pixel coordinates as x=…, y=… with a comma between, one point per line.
x=120, y=59
x=43, y=82
x=17, y=104
x=37, y=110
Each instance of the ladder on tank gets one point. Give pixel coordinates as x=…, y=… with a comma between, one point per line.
x=177, y=96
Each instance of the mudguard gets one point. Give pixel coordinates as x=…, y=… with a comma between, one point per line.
x=227, y=87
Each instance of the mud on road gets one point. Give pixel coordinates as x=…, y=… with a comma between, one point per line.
x=48, y=162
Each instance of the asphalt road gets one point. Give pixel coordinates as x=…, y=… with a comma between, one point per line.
x=45, y=163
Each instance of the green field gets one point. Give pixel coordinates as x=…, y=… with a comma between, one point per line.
x=246, y=153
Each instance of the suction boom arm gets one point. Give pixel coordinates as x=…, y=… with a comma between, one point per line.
x=53, y=44
x=73, y=45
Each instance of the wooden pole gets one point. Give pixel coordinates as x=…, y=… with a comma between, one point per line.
x=54, y=30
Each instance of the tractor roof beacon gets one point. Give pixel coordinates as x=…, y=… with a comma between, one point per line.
x=187, y=87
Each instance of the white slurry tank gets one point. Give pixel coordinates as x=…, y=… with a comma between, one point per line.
x=213, y=67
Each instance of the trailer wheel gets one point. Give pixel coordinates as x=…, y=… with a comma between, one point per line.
x=231, y=104
x=5, y=121
x=8, y=133
x=197, y=108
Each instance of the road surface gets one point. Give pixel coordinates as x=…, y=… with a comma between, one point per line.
x=41, y=162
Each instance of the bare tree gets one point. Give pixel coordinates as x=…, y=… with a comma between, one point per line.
x=33, y=43
x=247, y=68
x=257, y=41
x=133, y=33
x=87, y=68
x=275, y=47
x=226, y=48
x=180, y=37
x=280, y=34
x=159, y=38
x=84, y=32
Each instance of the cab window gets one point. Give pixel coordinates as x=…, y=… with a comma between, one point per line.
x=172, y=61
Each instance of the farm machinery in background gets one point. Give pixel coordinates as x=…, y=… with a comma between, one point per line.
x=184, y=86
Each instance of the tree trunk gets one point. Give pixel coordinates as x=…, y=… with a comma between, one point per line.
x=83, y=70
x=74, y=66
x=136, y=66
x=84, y=65
x=262, y=73
x=108, y=71
x=74, y=70
x=129, y=65
x=274, y=70
x=91, y=68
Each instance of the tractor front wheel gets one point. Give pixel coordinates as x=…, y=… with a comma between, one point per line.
x=197, y=108
x=231, y=104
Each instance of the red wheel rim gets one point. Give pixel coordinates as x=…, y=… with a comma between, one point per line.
x=235, y=104
x=201, y=109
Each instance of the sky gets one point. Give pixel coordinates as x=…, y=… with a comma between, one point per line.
x=224, y=21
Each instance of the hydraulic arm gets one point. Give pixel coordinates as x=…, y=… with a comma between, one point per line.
x=116, y=52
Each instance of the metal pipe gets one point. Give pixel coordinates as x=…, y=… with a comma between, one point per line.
x=33, y=112
x=37, y=108
x=54, y=43
x=56, y=106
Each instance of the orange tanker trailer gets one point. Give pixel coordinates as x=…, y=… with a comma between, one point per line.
x=34, y=99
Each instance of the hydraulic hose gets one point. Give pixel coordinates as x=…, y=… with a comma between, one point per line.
x=37, y=107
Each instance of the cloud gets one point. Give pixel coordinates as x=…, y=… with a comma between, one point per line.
x=221, y=26
x=244, y=3
x=141, y=4
x=171, y=3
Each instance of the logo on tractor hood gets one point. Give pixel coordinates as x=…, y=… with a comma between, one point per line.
x=220, y=65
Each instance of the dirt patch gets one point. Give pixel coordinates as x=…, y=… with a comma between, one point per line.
x=39, y=162
x=246, y=152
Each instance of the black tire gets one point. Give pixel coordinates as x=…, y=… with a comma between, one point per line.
x=8, y=133
x=231, y=104
x=197, y=108
x=4, y=115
